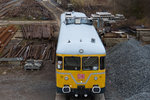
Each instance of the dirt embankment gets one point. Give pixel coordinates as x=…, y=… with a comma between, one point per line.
x=17, y=84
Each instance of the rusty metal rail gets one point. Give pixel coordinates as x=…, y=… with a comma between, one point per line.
x=44, y=51
x=6, y=33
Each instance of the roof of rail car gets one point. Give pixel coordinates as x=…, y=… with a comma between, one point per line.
x=74, y=37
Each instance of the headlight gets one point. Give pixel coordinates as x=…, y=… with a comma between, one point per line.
x=59, y=67
x=95, y=78
x=66, y=78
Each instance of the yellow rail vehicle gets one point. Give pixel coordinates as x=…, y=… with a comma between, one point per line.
x=80, y=56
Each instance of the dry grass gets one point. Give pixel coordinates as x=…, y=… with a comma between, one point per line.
x=84, y=3
x=145, y=21
x=88, y=6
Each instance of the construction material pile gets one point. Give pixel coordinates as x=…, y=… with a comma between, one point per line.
x=38, y=31
x=111, y=39
x=6, y=33
x=44, y=51
x=115, y=35
x=143, y=35
x=128, y=66
x=28, y=9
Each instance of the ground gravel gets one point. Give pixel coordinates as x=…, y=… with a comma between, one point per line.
x=140, y=96
x=128, y=70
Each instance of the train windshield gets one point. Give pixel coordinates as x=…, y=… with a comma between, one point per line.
x=90, y=63
x=71, y=63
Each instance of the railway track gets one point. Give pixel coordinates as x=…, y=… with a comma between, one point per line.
x=65, y=97
x=57, y=13
x=7, y=4
x=54, y=9
x=6, y=7
x=55, y=4
x=6, y=22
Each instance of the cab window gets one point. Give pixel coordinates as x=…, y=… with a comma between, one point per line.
x=71, y=63
x=90, y=63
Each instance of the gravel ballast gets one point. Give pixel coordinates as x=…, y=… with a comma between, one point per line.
x=128, y=70
x=140, y=96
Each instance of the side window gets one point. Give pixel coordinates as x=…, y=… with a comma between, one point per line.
x=102, y=63
x=59, y=63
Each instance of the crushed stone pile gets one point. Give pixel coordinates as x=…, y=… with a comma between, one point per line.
x=128, y=69
x=140, y=96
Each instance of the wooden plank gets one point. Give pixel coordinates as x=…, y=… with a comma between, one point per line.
x=109, y=42
x=146, y=38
